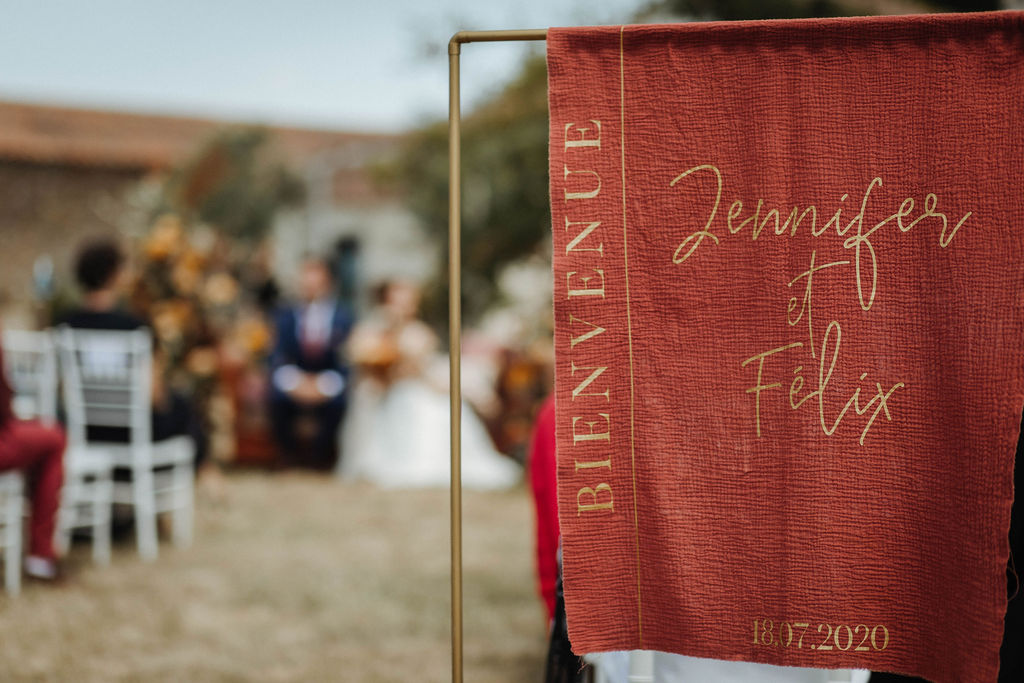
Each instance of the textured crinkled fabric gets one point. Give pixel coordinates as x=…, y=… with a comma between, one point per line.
x=788, y=327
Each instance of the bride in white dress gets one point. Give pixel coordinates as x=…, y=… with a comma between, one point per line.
x=396, y=433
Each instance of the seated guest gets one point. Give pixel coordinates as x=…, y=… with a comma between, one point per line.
x=562, y=665
x=38, y=451
x=308, y=375
x=100, y=272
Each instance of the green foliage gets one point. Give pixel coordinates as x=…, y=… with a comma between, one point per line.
x=233, y=183
x=506, y=214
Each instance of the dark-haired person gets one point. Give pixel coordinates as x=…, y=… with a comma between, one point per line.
x=37, y=450
x=100, y=272
x=308, y=376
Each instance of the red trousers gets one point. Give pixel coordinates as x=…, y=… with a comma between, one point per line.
x=38, y=451
x=543, y=466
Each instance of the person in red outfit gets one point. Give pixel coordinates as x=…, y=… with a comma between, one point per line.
x=562, y=666
x=545, y=500
x=38, y=451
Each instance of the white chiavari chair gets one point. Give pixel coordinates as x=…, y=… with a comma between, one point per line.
x=107, y=378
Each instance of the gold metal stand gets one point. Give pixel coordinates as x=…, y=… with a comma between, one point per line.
x=455, y=309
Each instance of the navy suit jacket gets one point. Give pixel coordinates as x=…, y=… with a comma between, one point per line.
x=288, y=346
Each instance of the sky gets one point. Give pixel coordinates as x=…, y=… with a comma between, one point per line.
x=373, y=65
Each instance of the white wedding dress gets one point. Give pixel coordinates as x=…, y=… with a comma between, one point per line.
x=613, y=667
x=399, y=438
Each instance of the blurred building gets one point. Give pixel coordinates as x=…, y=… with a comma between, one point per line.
x=70, y=173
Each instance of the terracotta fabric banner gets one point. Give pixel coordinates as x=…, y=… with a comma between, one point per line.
x=789, y=335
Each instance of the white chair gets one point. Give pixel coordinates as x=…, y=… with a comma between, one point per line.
x=30, y=360
x=107, y=379
x=12, y=504
x=87, y=493
x=31, y=370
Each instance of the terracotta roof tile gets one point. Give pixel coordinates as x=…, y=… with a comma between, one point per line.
x=61, y=135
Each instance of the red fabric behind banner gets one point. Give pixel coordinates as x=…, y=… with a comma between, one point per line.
x=788, y=319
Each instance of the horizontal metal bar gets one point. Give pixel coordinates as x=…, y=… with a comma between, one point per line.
x=498, y=36
x=494, y=37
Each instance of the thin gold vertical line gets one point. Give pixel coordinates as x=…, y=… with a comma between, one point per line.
x=629, y=331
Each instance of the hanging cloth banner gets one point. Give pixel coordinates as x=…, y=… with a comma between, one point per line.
x=789, y=324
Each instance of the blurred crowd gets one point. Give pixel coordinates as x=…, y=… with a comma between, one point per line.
x=299, y=376
x=232, y=338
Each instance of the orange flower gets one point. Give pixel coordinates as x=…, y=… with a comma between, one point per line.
x=171, y=318
x=202, y=361
x=187, y=273
x=220, y=289
x=255, y=335
x=165, y=239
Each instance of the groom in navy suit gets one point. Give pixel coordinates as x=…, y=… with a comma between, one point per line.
x=309, y=378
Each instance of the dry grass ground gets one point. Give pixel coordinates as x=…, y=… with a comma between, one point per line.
x=293, y=578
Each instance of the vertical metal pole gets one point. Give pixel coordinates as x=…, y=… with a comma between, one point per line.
x=455, y=347
x=455, y=310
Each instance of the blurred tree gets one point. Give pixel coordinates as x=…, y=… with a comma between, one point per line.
x=233, y=183
x=506, y=214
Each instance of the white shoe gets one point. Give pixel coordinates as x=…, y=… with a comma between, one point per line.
x=40, y=568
